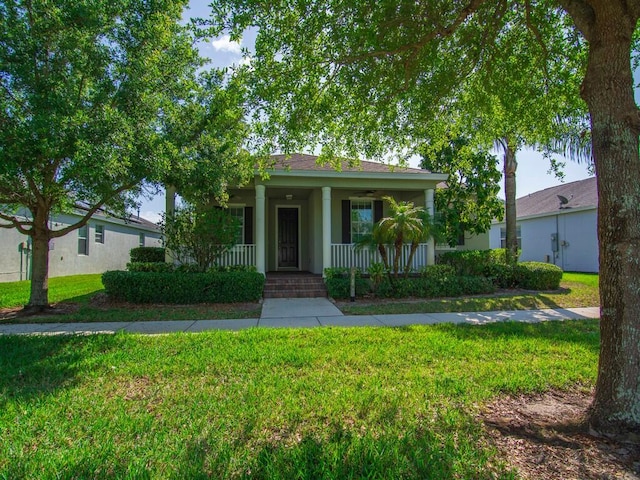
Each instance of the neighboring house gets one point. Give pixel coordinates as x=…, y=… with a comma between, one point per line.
x=307, y=217
x=103, y=244
x=557, y=225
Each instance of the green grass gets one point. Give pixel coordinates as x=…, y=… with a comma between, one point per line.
x=576, y=290
x=311, y=403
x=74, y=288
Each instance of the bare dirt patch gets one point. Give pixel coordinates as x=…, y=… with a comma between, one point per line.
x=546, y=437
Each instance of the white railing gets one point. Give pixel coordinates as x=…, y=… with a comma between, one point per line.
x=238, y=255
x=345, y=255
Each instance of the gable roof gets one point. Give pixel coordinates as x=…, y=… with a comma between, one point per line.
x=302, y=161
x=581, y=194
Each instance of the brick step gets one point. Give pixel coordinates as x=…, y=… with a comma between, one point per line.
x=294, y=286
x=295, y=294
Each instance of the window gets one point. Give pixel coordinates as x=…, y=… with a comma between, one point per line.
x=503, y=237
x=361, y=219
x=83, y=244
x=238, y=214
x=141, y=239
x=99, y=234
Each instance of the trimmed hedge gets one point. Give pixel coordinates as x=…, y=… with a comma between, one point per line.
x=147, y=255
x=183, y=288
x=434, y=281
x=473, y=262
x=538, y=276
x=150, y=267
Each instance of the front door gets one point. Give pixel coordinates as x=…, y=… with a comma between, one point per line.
x=287, y=238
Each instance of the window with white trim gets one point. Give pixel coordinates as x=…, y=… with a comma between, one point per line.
x=361, y=219
x=99, y=238
x=503, y=237
x=238, y=213
x=83, y=243
x=141, y=239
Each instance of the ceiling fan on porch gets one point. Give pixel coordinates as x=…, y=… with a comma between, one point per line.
x=369, y=193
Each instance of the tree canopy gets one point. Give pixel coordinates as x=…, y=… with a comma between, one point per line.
x=88, y=93
x=367, y=78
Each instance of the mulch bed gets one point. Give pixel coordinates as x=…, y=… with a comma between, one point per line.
x=546, y=437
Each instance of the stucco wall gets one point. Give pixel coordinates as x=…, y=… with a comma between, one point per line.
x=577, y=240
x=64, y=259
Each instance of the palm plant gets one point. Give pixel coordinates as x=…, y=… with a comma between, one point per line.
x=405, y=224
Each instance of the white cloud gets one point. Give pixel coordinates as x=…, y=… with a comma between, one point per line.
x=224, y=44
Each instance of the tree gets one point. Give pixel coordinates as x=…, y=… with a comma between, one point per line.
x=199, y=235
x=86, y=92
x=470, y=201
x=362, y=77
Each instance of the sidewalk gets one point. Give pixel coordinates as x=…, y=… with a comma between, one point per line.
x=301, y=313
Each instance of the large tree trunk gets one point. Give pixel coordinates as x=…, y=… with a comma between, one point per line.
x=39, y=299
x=615, y=124
x=510, y=166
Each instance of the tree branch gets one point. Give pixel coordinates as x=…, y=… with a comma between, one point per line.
x=441, y=32
x=536, y=33
x=15, y=223
x=62, y=232
x=582, y=14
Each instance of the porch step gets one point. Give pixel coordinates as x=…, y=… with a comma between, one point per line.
x=298, y=285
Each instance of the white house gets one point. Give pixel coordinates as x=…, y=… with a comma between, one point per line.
x=306, y=217
x=103, y=244
x=557, y=225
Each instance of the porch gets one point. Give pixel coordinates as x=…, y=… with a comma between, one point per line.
x=342, y=255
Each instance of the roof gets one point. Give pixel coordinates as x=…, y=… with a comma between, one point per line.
x=581, y=194
x=302, y=161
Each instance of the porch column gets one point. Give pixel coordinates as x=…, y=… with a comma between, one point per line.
x=326, y=228
x=260, y=229
x=169, y=209
x=431, y=244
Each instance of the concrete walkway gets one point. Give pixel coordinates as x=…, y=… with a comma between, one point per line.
x=302, y=313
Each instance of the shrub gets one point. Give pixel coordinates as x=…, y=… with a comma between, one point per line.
x=438, y=283
x=502, y=276
x=150, y=267
x=233, y=268
x=538, y=276
x=473, y=262
x=147, y=255
x=338, y=283
x=183, y=288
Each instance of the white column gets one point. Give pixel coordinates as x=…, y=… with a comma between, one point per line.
x=260, y=229
x=169, y=209
x=431, y=244
x=326, y=228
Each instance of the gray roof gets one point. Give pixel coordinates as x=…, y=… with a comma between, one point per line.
x=302, y=161
x=580, y=194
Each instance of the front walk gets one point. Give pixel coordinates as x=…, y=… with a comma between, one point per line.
x=302, y=313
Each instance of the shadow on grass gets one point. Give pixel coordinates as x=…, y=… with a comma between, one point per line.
x=36, y=365
x=584, y=332
x=413, y=454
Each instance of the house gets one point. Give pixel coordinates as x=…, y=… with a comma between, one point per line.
x=307, y=217
x=103, y=244
x=557, y=225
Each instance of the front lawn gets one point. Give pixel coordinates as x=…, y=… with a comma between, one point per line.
x=315, y=403
x=74, y=288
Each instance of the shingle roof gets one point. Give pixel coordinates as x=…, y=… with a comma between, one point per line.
x=302, y=161
x=580, y=194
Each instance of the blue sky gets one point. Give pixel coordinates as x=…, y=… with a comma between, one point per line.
x=532, y=174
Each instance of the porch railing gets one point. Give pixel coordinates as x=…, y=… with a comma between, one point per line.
x=244, y=254
x=345, y=255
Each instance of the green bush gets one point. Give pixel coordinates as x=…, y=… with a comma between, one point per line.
x=436, y=284
x=502, y=276
x=147, y=255
x=183, y=288
x=233, y=268
x=338, y=283
x=150, y=267
x=473, y=262
x=538, y=276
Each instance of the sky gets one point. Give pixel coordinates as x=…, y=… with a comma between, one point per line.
x=533, y=169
